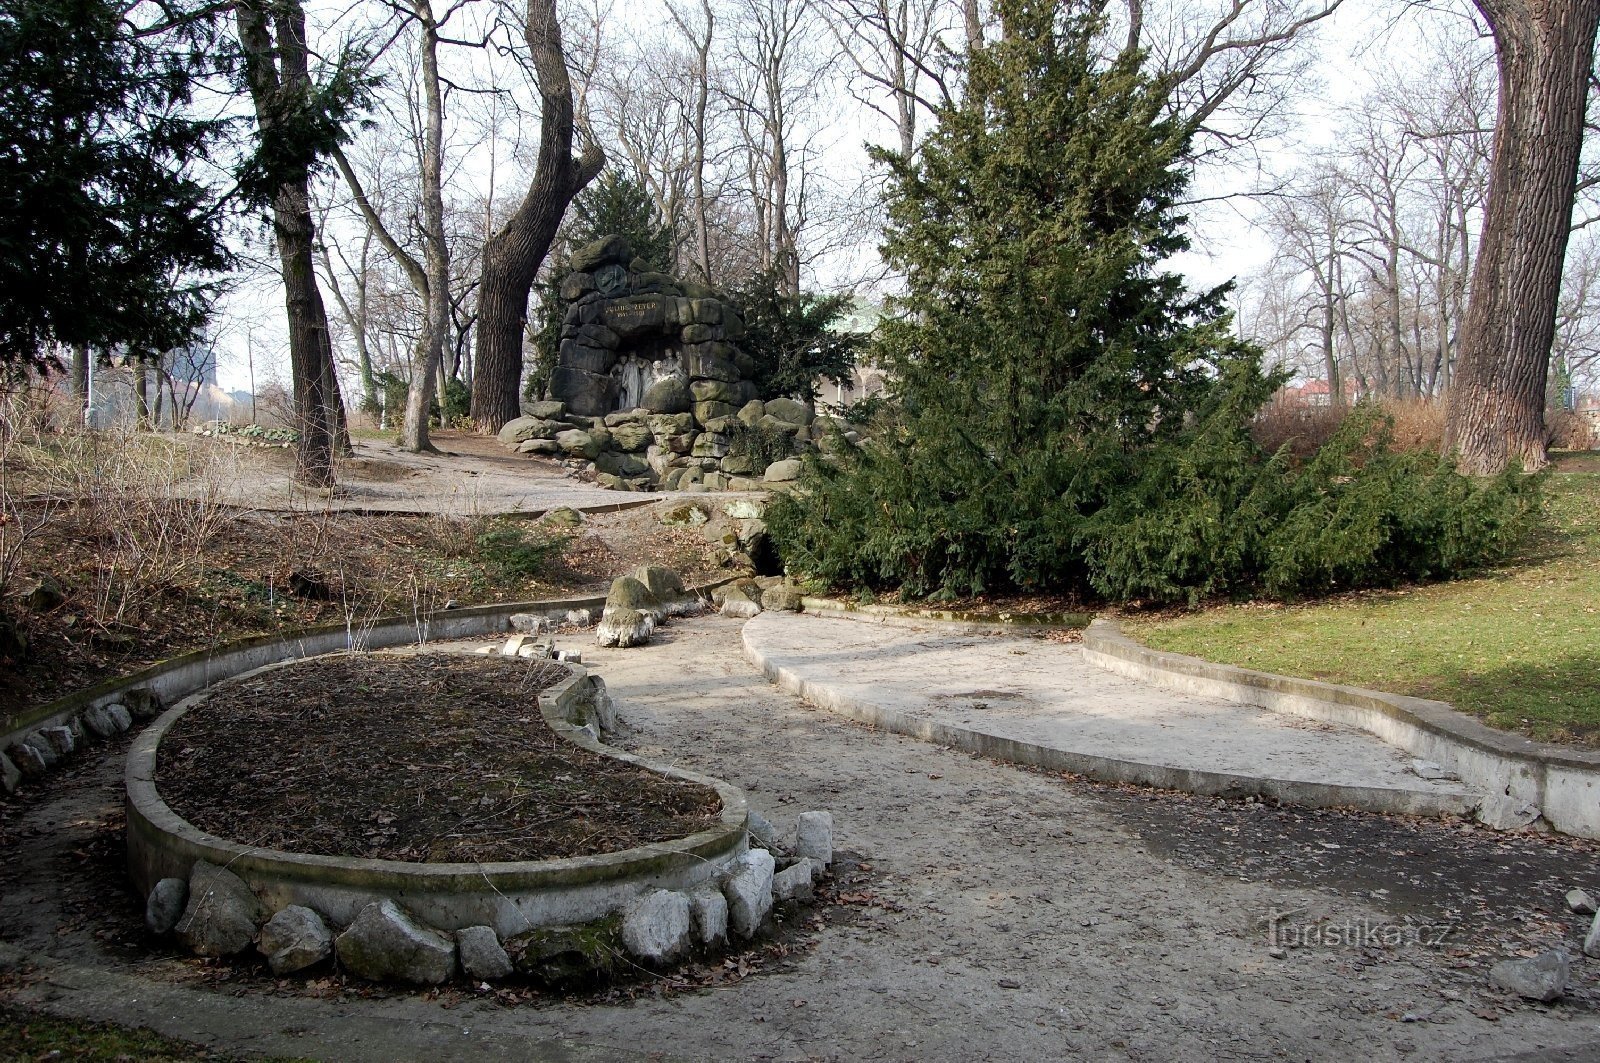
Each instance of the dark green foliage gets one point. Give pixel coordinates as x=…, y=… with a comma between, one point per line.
x=1066, y=415
x=450, y=408
x=792, y=338
x=612, y=204
x=765, y=445
x=515, y=550
x=107, y=236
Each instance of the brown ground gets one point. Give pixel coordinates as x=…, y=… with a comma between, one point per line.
x=432, y=758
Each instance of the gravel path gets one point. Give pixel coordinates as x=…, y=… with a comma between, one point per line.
x=996, y=913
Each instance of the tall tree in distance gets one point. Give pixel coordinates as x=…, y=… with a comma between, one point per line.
x=1545, y=50
x=512, y=256
x=298, y=122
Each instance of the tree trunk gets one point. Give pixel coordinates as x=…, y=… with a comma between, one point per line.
x=1496, y=412
x=80, y=379
x=278, y=73
x=512, y=256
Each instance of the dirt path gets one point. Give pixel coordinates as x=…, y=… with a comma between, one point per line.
x=998, y=914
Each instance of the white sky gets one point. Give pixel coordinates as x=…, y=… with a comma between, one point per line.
x=1347, y=47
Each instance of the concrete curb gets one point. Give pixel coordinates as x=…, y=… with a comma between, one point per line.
x=1563, y=783
x=911, y=615
x=511, y=896
x=1104, y=769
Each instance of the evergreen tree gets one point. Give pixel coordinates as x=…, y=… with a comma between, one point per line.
x=793, y=338
x=107, y=236
x=1065, y=413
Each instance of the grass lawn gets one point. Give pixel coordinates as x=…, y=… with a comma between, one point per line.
x=1518, y=646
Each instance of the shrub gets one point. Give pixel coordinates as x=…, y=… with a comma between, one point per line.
x=764, y=445
x=515, y=550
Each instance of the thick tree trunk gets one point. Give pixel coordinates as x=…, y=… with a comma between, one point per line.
x=80, y=379
x=512, y=257
x=1496, y=411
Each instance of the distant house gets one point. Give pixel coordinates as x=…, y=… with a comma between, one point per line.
x=1315, y=393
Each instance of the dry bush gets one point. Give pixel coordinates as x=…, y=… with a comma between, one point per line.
x=1418, y=423
x=1570, y=430
x=1303, y=429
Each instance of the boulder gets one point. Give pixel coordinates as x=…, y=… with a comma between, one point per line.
x=686, y=514
x=10, y=775
x=666, y=425
x=763, y=833
x=710, y=445
x=607, y=250
x=708, y=911
x=665, y=585
x=624, y=627
x=1581, y=902
x=483, y=958
x=813, y=836
x=702, y=361
x=576, y=285
x=61, y=739
x=1591, y=942
x=745, y=508
x=631, y=437
x=630, y=592
x=738, y=605
x=222, y=914
x=142, y=702
x=621, y=465
x=1543, y=978
x=538, y=446
x=752, y=412
x=43, y=747
x=790, y=411
x=738, y=464
x=164, y=907
x=385, y=944
x=705, y=391
x=549, y=409
x=520, y=429
x=41, y=593
x=710, y=411
x=294, y=939
x=783, y=471
x=27, y=760
x=555, y=954
x=578, y=443
x=562, y=517
x=783, y=598
x=748, y=891
x=105, y=721
x=656, y=927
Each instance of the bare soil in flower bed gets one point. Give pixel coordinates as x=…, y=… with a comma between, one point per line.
x=428, y=758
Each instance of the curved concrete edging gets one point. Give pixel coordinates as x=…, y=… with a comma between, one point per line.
x=511, y=896
x=899, y=614
x=1563, y=783
x=1102, y=768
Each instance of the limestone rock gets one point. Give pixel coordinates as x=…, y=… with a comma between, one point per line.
x=164, y=907
x=813, y=836
x=580, y=617
x=608, y=250
x=222, y=914
x=670, y=394
x=710, y=411
x=294, y=939
x=624, y=627
x=708, y=910
x=790, y=411
x=763, y=833
x=29, y=762
x=43, y=747
x=631, y=437
x=559, y=953
x=630, y=592
x=686, y=514
x=621, y=465
x=782, y=598
x=529, y=623
x=666, y=587
x=519, y=429
x=1543, y=978
x=745, y=509
x=752, y=412
x=61, y=740
x=142, y=702
x=562, y=517
x=385, y=944
x=1504, y=812
x=483, y=958
x=105, y=721
x=546, y=409
x=738, y=605
x=1580, y=901
x=783, y=471
x=10, y=775
x=656, y=927
x=1591, y=942
x=579, y=443
x=793, y=884
x=748, y=891
x=538, y=446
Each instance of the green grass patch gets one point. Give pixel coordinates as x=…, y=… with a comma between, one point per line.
x=26, y=1035
x=1518, y=646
